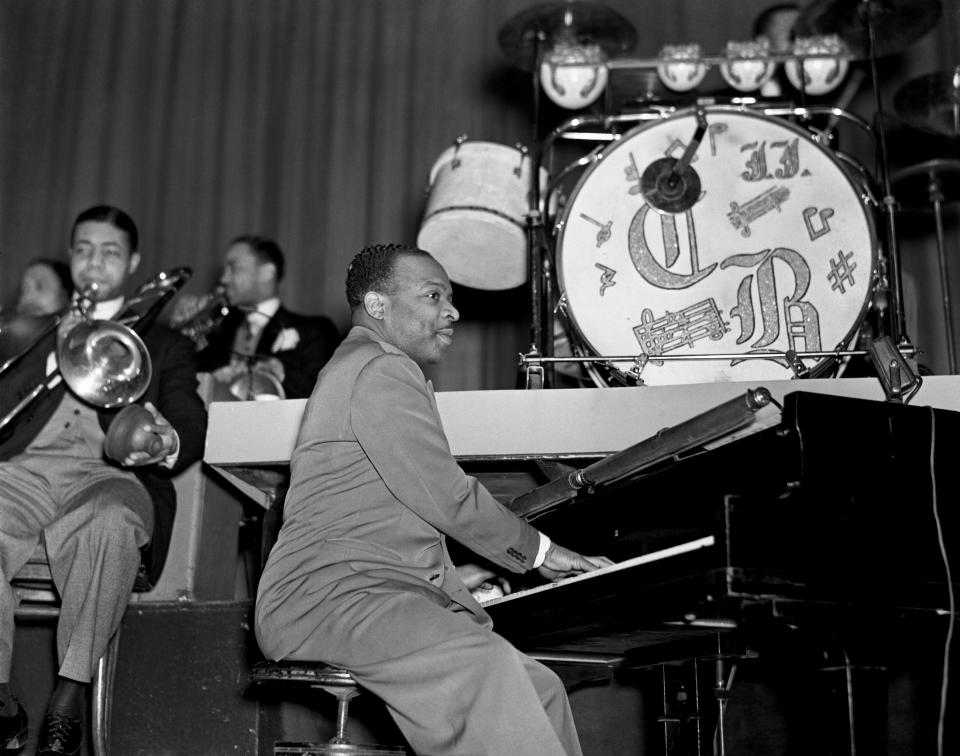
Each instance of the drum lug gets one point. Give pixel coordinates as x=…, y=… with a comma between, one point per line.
x=534, y=379
x=796, y=364
x=523, y=150
x=639, y=363
x=533, y=370
x=561, y=307
x=457, y=143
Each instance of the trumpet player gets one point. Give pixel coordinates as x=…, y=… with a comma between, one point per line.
x=105, y=522
x=258, y=332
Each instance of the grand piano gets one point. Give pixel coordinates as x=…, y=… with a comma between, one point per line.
x=844, y=506
x=821, y=506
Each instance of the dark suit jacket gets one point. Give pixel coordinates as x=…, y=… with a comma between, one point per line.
x=318, y=337
x=172, y=390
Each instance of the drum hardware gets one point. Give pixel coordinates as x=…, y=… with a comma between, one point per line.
x=103, y=362
x=850, y=90
x=931, y=103
x=835, y=113
x=526, y=39
x=896, y=376
x=795, y=364
x=934, y=183
x=644, y=359
x=869, y=28
x=551, y=198
x=791, y=358
x=671, y=185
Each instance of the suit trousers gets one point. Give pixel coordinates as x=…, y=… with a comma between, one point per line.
x=93, y=518
x=453, y=686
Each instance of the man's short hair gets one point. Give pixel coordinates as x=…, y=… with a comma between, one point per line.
x=372, y=270
x=112, y=215
x=266, y=250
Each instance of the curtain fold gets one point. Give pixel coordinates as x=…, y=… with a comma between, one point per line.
x=315, y=122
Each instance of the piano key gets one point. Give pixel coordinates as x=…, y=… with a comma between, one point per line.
x=655, y=556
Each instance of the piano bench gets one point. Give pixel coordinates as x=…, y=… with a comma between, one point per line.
x=335, y=681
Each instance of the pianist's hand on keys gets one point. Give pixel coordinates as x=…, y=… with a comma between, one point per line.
x=561, y=563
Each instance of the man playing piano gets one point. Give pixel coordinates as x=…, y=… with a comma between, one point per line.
x=360, y=576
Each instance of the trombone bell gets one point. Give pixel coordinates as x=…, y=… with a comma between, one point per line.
x=104, y=363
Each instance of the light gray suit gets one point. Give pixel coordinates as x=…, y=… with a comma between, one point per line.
x=360, y=576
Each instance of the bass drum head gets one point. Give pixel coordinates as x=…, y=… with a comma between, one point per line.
x=776, y=254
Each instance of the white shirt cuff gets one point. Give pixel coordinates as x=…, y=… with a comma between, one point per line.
x=542, y=551
x=171, y=459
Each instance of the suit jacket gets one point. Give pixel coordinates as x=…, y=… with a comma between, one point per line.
x=374, y=492
x=172, y=390
x=317, y=338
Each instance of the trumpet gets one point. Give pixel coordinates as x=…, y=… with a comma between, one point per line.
x=103, y=362
x=197, y=325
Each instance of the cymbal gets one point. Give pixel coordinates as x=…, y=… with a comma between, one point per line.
x=931, y=102
x=897, y=24
x=913, y=185
x=538, y=27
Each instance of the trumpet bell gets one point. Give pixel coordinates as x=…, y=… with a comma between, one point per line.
x=257, y=384
x=167, y=281
x=104, y=363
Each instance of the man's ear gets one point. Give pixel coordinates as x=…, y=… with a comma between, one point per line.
x=375, y=305
x=133, y=264
x=267, y=273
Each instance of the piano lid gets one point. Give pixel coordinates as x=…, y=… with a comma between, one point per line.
x=246, y=439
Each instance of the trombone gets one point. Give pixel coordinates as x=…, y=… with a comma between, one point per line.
x=103, y=362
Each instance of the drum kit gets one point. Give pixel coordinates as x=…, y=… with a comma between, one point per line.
x=706, y=240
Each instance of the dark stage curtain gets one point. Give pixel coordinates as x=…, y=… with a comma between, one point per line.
x=317, y=122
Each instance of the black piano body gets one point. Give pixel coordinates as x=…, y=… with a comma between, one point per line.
x=844, y=512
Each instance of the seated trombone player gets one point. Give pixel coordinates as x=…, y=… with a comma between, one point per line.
x=103, y=520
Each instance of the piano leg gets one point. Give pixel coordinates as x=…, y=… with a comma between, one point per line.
x=681, y=708
x=694, y=687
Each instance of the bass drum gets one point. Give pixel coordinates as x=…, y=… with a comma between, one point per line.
x=777, y=253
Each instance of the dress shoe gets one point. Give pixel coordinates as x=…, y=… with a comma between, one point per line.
x=60, y=735
x=13, y=731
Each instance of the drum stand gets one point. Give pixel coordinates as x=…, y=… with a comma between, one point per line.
x=536, y=376
x=898, y=329
x=931, y=175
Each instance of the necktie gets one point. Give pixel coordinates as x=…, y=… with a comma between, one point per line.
x=253, y=326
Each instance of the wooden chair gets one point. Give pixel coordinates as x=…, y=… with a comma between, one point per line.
x=39, y=601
